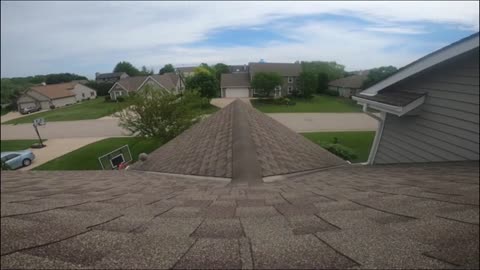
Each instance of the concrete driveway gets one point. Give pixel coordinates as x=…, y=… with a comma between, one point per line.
x=223, y=102
x=56, y=148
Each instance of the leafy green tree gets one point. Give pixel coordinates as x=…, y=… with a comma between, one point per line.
x=377, y=74
x=145, y=71
x=307, y=83
x=167, y=68
x=322, y=82
x=153, y=113
x=220, y=68
x=204, y=81
x=265, y=82
x=126, y=67
x=62, y=77
x=332, y=69
x=101, y=87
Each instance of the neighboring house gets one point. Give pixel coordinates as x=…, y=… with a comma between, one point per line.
x=110, y=77
x=429, y=109
x=238, y=68
x=170, y=82
x=44, y=96
x=82, y=92
x=186, y=71
x=235, y=85
x=288, y=71
x=348, y=86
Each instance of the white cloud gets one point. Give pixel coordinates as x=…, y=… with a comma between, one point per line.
x=37, y=36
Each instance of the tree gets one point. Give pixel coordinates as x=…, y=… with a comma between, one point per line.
x=167, y=68
x=307, y=83
x=102, y=88
x=377, y=74
x=265, y=82
x=204, y=81
x=154, y=113
x=220, y=68
x=62, y=77
x=322, y=82
x=332, y=69
x=126, y=67
x=145, y=72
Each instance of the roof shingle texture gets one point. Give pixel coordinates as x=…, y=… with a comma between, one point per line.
x=391, y=216
x=240, y=79
x=109, y=75
x=354, y=81
x=168, y=80
x=54, y=91
x=206, y=148
x=132, y=83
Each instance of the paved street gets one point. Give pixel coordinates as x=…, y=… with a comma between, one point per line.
x=299, y=122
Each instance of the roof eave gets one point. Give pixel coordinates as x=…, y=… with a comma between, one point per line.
x=425, y=63
x=388, y=108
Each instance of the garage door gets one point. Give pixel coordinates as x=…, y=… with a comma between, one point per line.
x=236, y=92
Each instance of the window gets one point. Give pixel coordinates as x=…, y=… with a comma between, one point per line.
x=83, y=94
x=290, y=89
x=290, y=79
x=92, y=94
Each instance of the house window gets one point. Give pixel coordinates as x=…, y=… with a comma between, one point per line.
x=83, y=94
x=92, y=94
x=290, y=79
x=290, y=89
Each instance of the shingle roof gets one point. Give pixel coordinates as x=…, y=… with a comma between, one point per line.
x=109, y=75
x=396, y=216
x=235, y=80
x=132, y=83
x=284, y=69
x=208, y=148
x=354, y=81
x=395, y=98
x=55, y=91
x=168, y=80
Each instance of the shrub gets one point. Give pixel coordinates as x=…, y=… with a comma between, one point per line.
x=339, y=150
x=108, y=99
x=120, y=99
x=52, y=107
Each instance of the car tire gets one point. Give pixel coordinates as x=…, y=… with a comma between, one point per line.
x=26, y=162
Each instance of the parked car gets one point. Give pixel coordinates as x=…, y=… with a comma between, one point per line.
x=29, y=109
x=17, y=159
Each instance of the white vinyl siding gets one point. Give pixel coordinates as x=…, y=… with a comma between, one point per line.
x=447, y=126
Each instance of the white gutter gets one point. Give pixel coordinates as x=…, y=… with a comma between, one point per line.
x=378, y=134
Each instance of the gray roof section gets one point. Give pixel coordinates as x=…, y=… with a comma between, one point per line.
x=284, y=69
x=207, y=148
x=186, y=69
x=408, y=216
x=109, y=75
x=169, y=80
x=354, y=81
x=395, y=98
x=234, y=80
x=132, y=83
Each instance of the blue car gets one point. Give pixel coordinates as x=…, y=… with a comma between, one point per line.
x=17, y=159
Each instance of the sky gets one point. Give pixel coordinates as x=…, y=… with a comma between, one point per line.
x=87, y=37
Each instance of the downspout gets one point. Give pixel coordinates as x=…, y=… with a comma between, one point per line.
x=378, y=134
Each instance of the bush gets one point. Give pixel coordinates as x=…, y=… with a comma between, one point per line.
x=339, y=150
x=120, y=99
x=52, y=107
x=108, y=99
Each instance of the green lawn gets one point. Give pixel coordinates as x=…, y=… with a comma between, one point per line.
x=15, y=145
x=91, y=109
x=358, y=141
x=86, y=158
x=316, y=104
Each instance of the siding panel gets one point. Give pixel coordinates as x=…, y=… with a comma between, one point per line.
x=447, y=126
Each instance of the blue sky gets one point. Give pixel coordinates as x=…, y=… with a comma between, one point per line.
x=86, y=37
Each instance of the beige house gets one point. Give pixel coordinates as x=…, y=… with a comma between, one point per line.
x=170, y=82
x=348, y=86
x=44, y=96
x=83, y=92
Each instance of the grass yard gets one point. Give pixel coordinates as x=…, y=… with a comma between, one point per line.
x=358, y=141
x=86, y=158
x=91, y=109
x=15, y=145
x=316, y=104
